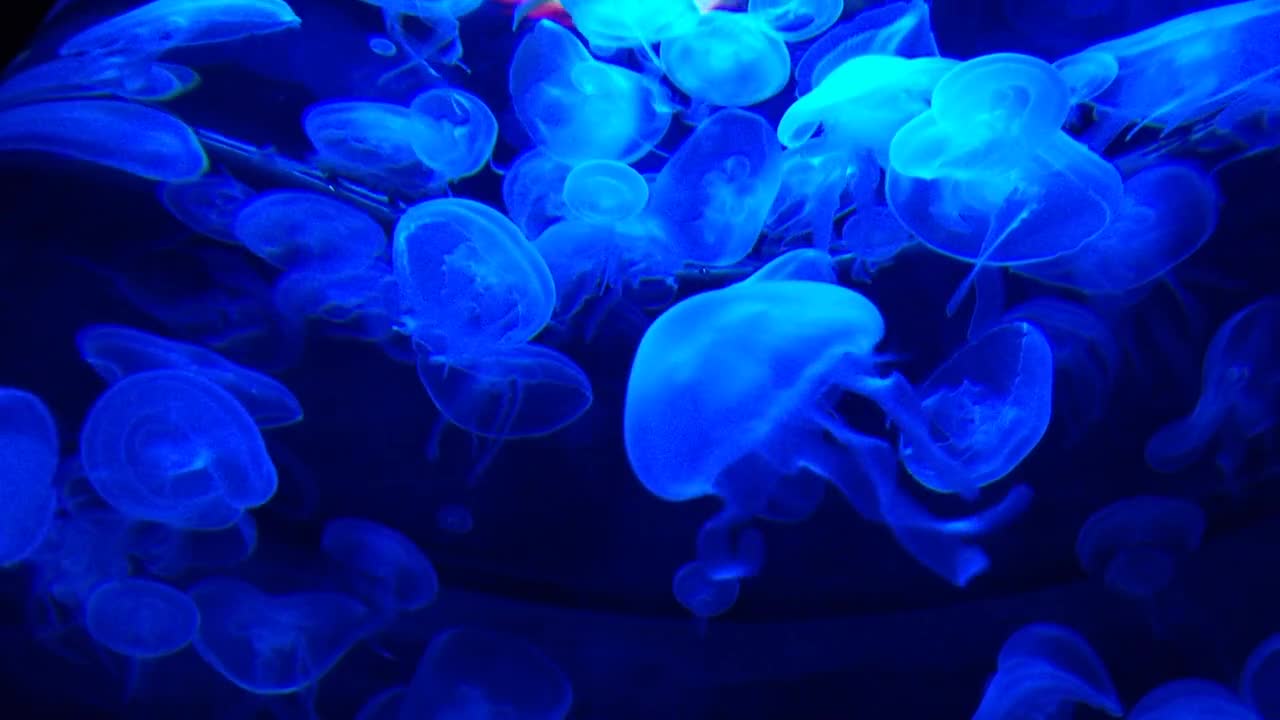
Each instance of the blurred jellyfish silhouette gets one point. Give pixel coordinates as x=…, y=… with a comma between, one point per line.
x=1044, y=670
x=1191, y=698
x=384, y=568
x=1133, y=545
x=1260, y=679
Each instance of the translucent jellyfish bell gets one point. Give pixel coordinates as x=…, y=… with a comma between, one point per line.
x=478, y=673
x=387, y=569
x=1191, y=698
x=174, y=448
x=714, y=193
x=703, y=594
x=28, y=461
x=363, y=304
x=134, y=138
x=728, y=59
x=822, y=178
x=1260, y=679
x=800, y=264
x=578, y=108
x=533, y=191
x=116, y=352
x=874, y=236
x=141, y=618
x=457, y=133
x=156, y=27
x=1239, y=393
x=468, y=278
x=208, y=205
x=89, y=76
x=298, y=230
x=274, y=644
x=900, y=28
x=372, y=143
x=1042, y=671
x=630, y=23
x=797, y=20
x=1134, y=544
x=604, y=191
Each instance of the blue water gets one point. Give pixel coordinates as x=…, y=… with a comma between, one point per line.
x=937, y=378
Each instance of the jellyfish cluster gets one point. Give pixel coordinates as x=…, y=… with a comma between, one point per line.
x=723, y=258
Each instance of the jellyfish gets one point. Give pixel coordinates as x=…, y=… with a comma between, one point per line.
x=1260, y=679
x=208, y=205
x=702, y=593
x=713, y=195
x=457, y=132
x=1042, y=671
x=133, y=138
x=72, y=77
x=171, y=447
x=379, y=45
x=1191, y=698
x=874, y=237
x=1087, y=74
x=797, y=20
x=802, y=264
x=509, y=391
x=116, y=352
x=362, y=304
x=533, y=191
x=440, y=16
x=468, y=279
x=1239, y=393
x=900, y=28
x=152, y=29
x=578, y=108
x=630, y=23
x=1133, y=544
x=141, y=618
x=821, y=180
x=371, y=143
x=454, y=519
x=480, y=673
x=728, y=59
x=299, y=230
x=28, y=462
x=1169, y=211
x=1086, y=358
x=728, y=396
x=171, y=552
x=388, y=571
x=605, y=191
x=1183, y=69
x=274, y=644
x=384, y=706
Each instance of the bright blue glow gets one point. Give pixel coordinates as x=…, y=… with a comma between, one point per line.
x=821, y=179
x=308, y=231
x=385, y=568
x=533, y=191
x=1134, y=544
x=630, y=23
x=28, y=460
x=604, y=191
x=900, y=28
x=802, y=264
x=157, y=27
x=141, y=618
x=727, y=59
x=373, y=143
x=797, y=20
x=457, y=132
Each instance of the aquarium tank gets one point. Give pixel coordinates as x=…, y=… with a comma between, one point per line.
x=640, y=360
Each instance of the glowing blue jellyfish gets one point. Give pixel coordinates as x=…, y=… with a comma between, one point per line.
x=1042, y=671
x=630, y=23
x=363, y=304
x=457, y=132
x=797, y=20
x=900, y=28
x=72, y=77
x=508, y=391
x=371, y=143
x=441, y=18
x=136, y=139
x=1087, y=74
x=384, y=706
x=1134, y=544
x=874, y=237
x=802, y=264
x=208, y=205
x=702, y=593
x=28, y=461
x=714, y=193
x=380, y=45
x=533, y=191
x=116, y=352
x=821, y=180
x=171, y=447
x=298, y=230
x=274, y=644
x=141, y=618
x=455, y=519
x=728, y=59
x=478, y=673
x=1169, y=212
x=1183, y=69
x=171, y=552
x=386, y=568
x=605, y=191
x=468, y=278
x=578, y=108
x=150, y=30
x=1260, y=679
x=1191, y=698
x=83, y=549
x=1239, y=393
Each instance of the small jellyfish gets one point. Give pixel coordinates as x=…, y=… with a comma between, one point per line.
x=1260, y=679
x=208, y=205
x=363, y=304
x=703, y=594
x=274, y=644
x=152, y=29
x=797, y=20
x=469, y=281
x=298, y=230
x=1042, y=671
x=508, y=392
x=604, y=191
x=900, y=28
x=728, y=59
x=1239, y=393
x=802, y=264
x=457, y=132
x=141, y=618
x=714, y=193
x=454, y=519
x=386, y=568
x=116, y=352
x=380, y=45
x=1134, y=544
x=28, y=462
x=874, y=237
x=371, y=143
x=478, y=673
x=171, y=447
x=133, y=138
x=1191, y=698
x=533, y=191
